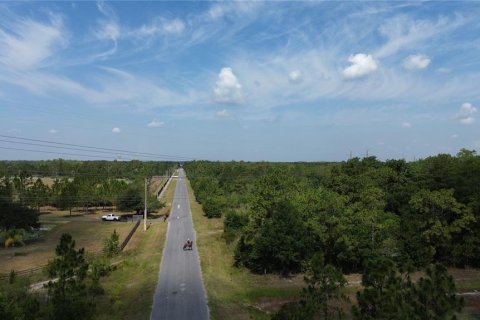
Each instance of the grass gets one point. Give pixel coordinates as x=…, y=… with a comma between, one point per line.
x=46, y=216
x=235, y=293
x=130, y=288
x=155, y=184
x=89, y=235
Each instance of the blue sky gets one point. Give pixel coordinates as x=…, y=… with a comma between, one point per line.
x=279, y=81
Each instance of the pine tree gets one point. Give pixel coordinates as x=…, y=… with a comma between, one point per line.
x=68, y=295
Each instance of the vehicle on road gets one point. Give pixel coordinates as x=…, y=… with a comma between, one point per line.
x=110, y=217
x=188, y=245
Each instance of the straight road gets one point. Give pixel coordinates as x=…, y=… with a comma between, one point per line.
x=180, y=294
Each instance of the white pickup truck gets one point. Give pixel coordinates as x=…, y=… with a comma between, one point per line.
x=110, y=217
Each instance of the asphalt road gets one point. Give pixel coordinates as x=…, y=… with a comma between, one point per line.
x=180, y=293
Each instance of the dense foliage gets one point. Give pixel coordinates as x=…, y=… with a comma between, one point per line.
x=16, y=300
x=389, y=295
x=67, y=168
x=281, y=214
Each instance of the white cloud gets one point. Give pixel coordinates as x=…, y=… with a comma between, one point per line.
x=112, y=88
x=467, y=120
x=228, y=89
x=155, y=124
x=174, y=26
x=116, y=130
x=28, y=43
x=403, y=32
x=223, y=113
x=53, y=131
x=226, y=8
x=295, y=76
x=465, y=115
x=417, y=61
x=361, y=65
x=406, y=124
x=454, y=136
x=467, y=109
x=109, y=29
x=443, y=70
x=160, y=26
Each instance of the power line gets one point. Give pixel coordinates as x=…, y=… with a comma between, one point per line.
x=177, y=157
x=63, y=153
x=71, y=148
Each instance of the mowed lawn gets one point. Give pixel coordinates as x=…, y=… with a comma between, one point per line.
x=89, y=235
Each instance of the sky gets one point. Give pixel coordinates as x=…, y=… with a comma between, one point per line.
x=253, y=81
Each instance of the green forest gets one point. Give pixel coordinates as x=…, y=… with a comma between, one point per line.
x=383, y=219
x=281, y=214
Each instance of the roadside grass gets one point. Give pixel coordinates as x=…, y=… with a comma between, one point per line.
x=167, y=199
x=89, y=235
x=130, y=288
x=235, y=293
x=155, y=184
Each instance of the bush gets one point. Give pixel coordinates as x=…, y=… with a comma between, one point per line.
x=232, y=224
x=235, y=220
x=213, y=207
x=111, y=245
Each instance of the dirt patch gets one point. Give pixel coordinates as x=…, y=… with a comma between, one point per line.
x=271, y=305
x=472, y=302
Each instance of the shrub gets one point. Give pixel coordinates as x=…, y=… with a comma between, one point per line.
x=213, y=206
x=111, y=245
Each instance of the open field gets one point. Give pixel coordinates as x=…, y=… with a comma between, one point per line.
x=235, y=293
x=89, y=235
x=130, y=288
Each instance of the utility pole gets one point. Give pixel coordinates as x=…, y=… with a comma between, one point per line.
x=145, y=211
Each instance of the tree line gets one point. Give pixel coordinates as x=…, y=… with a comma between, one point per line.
x=280, y=214
x=67, y=168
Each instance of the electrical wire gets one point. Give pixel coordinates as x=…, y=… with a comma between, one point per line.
x=62, y=153
x=133, y=153
x=71, y=148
